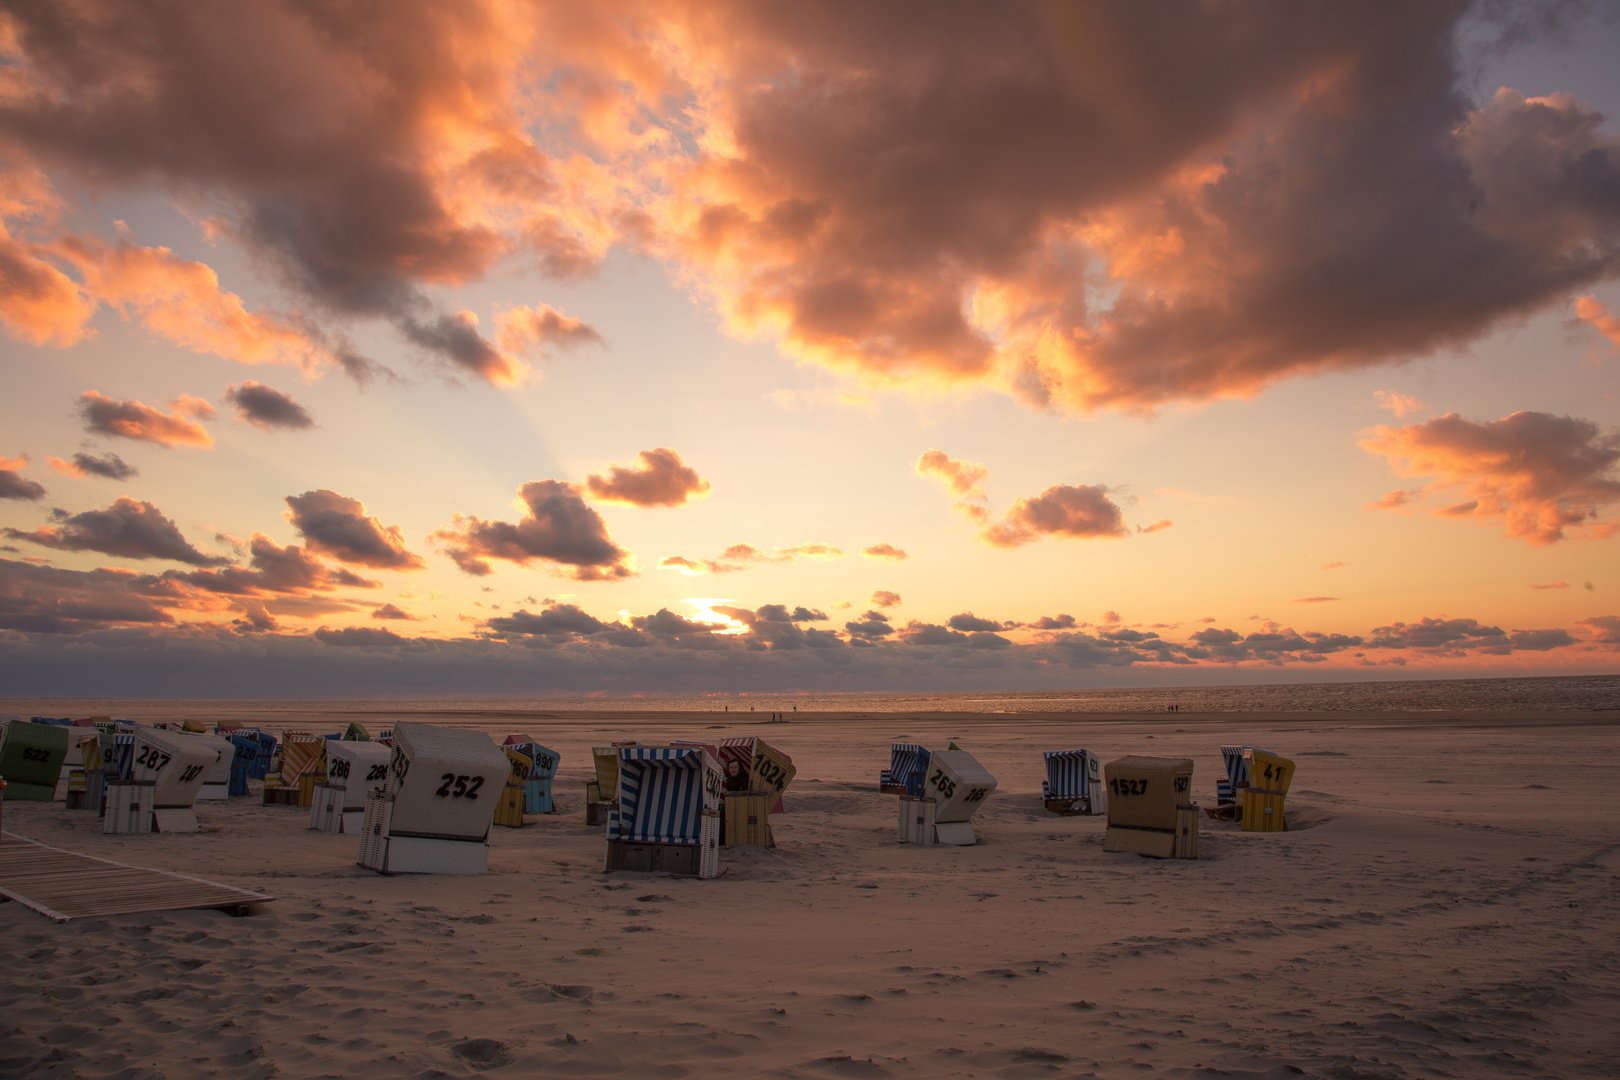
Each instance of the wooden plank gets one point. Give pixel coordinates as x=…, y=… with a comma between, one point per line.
x=63, y=885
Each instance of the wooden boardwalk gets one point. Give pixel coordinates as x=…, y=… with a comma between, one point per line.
x=63, y=885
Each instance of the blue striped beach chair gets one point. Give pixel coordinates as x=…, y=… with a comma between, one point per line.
x=267, y=756
x=667, y=814
x=1237, y=777
x=1073, y=783
x=908, y=768
x=117, y=757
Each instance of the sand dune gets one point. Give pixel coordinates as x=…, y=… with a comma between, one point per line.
x=1445, y=906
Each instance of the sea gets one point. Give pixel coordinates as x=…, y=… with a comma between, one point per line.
x=1572, y=693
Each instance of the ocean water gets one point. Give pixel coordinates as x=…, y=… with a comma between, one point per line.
x=1575, y=693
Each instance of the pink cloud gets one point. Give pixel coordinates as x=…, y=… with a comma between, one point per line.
x=885, y=551
x=145, y=423
x=1595, y=314
x=1074, y=511
x=1539, y=473
x=661, y=479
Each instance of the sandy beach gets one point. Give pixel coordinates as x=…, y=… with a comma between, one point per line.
x=1445, y=905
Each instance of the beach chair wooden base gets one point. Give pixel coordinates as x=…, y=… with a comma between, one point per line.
x=1153, y=843
x=1223, y=812
x=129, y=807
x=596, y=813
x=1263, y=811
x=509, y=811
x=215, y=791
x=326, y=812
x=424, y=855
x=699, y=860
x=22, y=791
x=748, y=819
x=916, y=823
x=955, y=833
x=174, y=819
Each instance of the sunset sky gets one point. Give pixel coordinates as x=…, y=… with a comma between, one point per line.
x=524, y=347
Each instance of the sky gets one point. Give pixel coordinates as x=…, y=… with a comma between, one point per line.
x=527, y=348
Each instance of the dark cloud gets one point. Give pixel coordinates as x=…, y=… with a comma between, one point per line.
x=455, y=339
x=267, y=408
x=1540, y=640
x=559, y=528
x=359, y=635
x=339, y=526
x=1538, y=472
x=1605, y=628
x=127, y=529
x=1438, y=634
x=13, y=486
x=871, y=626
x=108, y=466
x=46, y=600
x=921, y=633
x=557, y=620
x=662, y=479
x=968, y=622
x=885, y=551
x=276, y=570
x=780, y=613
x=1050, y=622
x=135, y=420
x=1081, y=511
x=389, y=611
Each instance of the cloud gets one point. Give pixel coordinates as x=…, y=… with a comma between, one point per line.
x=525, y=329
x=47, y=600
x=1400, y=404
x=964, y=479
x=1449, y=635
x=968, y=622
x=276, y=570
x=1552, y=585
x=13, y=486
x=780, y=613
x=134, y=420
x=883, y=598
x=1334, y=565
x=389, y=611
x=871, y=626
x=108, y=466
x=1606, y=628
x=339, y=526
x=1393, y=500
x=350, y=636
x=1078, y=511
x=1590, y=311
x=1051, y=622
x=1316, y=600
x=741, y=556
x=266, y=408
x=1018, y=198
x=557, y=620
x=557, y=527
x=127, y=529
x=1157, y=526
x=885, y=551
x=1538, y=472
x=662, y=479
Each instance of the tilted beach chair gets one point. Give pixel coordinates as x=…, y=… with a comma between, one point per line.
x=908, y=766
x=667, y=814
x=31, y=759
x=752, y=764
x=542, y=774
x=1226, y=791
x=434, y=813
x=1073, y=783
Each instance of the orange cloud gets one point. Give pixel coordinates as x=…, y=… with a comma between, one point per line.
x=524, y=328
x=662, y=479
x=1400, y=404
x=1157, y=526
x=1075, y=511
x=108, y=466
x=741, y=556
x=13, y=486
x=1537, y=472
x=964, y=479
x=885, y=599
x=1589, y=310
x=885, y=551
x=135, y=420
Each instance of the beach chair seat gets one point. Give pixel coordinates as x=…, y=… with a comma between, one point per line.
x=750, y=763
x=666, y=816
x=1073, y=783
x=747, y=819
x=1150, y=807
x=31, y=759
x=958, y=786
x=439, y=801
x=908, y=765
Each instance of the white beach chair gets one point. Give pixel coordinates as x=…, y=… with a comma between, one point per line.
x=437, y=804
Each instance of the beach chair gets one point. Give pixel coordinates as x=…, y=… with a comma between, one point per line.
x=31, y=758
x=246, y=745
x=176, y=764
x=747, y=819
x=1150, y=807
x=509, y=812
x=1264, y=796
x=1237, y=777
x=352, y=770
x=1073, y=783
x=217, y=780
x=303, y=763
x=908, y=767
x=750, y=763
x=601, y=792
x=434, y=813
x=957, y=785
x=666, y=817
x=356, y=732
